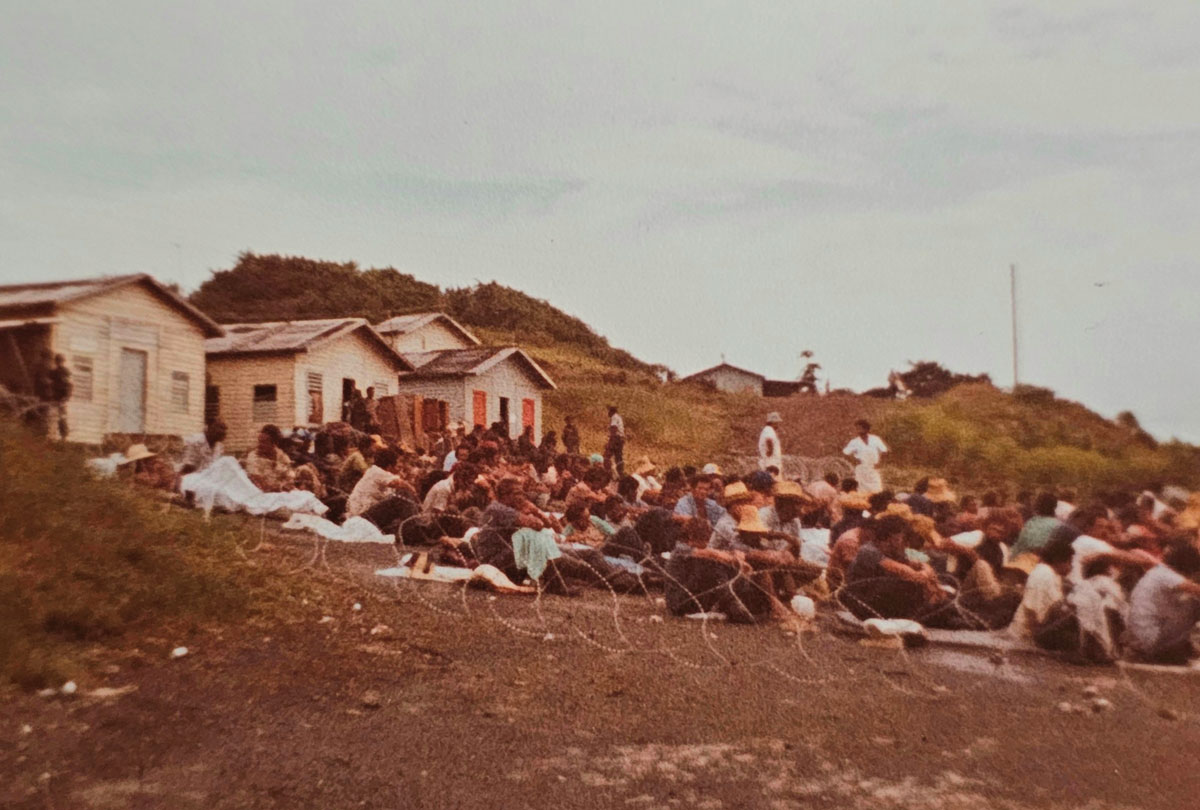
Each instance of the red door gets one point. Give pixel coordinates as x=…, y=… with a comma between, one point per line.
x=480, y=407
x=527, y=413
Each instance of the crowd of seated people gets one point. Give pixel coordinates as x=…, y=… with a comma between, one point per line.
x=1112, y=577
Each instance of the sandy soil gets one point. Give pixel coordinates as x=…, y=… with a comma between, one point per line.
x=431, y=696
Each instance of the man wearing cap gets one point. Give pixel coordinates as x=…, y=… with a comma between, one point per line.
x=770, y=454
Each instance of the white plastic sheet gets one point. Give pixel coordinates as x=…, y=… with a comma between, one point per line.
x=354, y=530
x=225, y=485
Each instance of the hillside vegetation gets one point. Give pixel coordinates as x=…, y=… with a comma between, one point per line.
x=279, y=288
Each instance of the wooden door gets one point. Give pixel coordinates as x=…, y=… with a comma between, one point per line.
x=131, y=392
x=528, y=411
x=479, y=407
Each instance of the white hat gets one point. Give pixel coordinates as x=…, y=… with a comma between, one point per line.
x=773, y=418
x=137, y=452
x=710, y=469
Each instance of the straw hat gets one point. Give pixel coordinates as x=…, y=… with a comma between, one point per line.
x=901, y=509
x=736, y=492
x=136, y=452
x=939, y=491
x=751, y=523
x=1189, y=518
x=792, y=490
x=378, y=441
x=644, y=465
x=855, y=501
x=773, y=418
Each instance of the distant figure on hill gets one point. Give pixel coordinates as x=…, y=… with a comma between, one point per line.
x=570, y=437
x=770, y=452
x=867, y=449
x=808, y=380
x=614, y=449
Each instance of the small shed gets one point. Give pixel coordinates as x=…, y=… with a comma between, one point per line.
x=729, y=379
x=294, y=373
x=426, y=332
x=482, y=385
x=134, y=347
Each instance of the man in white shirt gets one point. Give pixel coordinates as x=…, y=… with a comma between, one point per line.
x=867, y=449
x=770, y=452
x=377, y=484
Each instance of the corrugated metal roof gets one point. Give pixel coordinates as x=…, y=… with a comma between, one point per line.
x=292, y=336
x=470, y=362
x=405, y=324
x=51, y=294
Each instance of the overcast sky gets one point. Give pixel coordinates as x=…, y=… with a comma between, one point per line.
x=693, y=179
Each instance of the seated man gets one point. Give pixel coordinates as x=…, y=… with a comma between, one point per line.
x=883, y=583
x=699, y=579
x=772, y=555
x=1164, y=607
x=1036, y=532
x=381, y=496
x=1043, y=615
x=267, y=465
x=697, y=503
x=789, y=503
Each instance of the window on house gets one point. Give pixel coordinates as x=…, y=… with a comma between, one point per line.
x=82, y=377
x=264, y=403
x=181, y=385
x=381, y=390
x=316, y=398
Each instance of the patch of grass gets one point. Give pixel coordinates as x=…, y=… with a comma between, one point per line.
x=85, y=561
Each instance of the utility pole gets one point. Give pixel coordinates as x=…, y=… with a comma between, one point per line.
x=1012, y=273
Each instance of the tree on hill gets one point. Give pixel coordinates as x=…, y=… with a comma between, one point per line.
x=929, y=379
x=277, y=288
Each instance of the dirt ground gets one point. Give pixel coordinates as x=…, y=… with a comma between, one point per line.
x=433, y=696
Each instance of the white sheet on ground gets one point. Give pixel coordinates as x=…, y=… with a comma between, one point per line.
x=488, y=575
x=354, y=530
x=225, y=485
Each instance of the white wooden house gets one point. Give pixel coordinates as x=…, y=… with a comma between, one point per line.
x=730, y=379
x=295, y=373
x=482, y=385
x=426, y=332
x=135, y=350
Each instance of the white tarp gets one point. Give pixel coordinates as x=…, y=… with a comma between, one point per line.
x=225, y=485
x=354, y=530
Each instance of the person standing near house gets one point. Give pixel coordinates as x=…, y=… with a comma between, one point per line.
x=372, y=407
x=570, y=437
x=867, y=449
x=770, y=452
x=614, y=450
x=57, y=390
